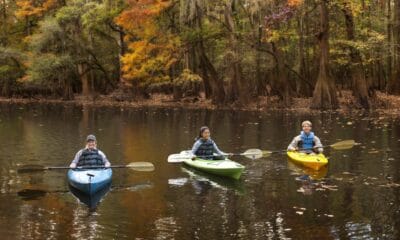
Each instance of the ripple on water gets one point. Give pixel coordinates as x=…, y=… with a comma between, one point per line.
x=165, y=228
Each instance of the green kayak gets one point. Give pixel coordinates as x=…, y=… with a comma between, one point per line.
x=225, y=168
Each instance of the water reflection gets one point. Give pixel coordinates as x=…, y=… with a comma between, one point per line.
x=31, y=194
x=356, y=196
x=90, y=200
x=305, y=172
x=202, y=181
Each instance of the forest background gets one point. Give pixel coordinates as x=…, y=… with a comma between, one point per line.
x=223, y=52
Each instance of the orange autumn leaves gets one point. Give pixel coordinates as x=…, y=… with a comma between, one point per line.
x=152, y=47
x=294, y=3
x=28, y=8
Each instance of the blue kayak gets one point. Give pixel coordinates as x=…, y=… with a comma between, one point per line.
x=89, y=181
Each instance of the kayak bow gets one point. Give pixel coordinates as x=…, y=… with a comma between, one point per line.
x=89, y=181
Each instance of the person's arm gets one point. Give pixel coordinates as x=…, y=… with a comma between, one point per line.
x=318, y=144
x=293, y=146
x=195, y=147
x=76, y=159
x=217, y=151
x=105, y=160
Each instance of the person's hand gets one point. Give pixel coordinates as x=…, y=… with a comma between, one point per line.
x=108, y=164
x=72, y=165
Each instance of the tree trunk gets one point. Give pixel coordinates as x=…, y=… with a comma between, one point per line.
x=389, y=62
x=237, y=89
x=301, y=88
x=359, y=82
x=324, y=96
x=83, y=74
x=28, y=26
x=394, y=85
x=261, y=88
x=282, y=86
x=213, y=84
x=4, y=12
x=121, y=53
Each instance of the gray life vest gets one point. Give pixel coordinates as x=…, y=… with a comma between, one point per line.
x=90, y=158
x=205, y=149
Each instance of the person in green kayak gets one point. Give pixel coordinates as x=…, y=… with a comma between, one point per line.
x=306, y=142
x=205, y=147
x=90, y=155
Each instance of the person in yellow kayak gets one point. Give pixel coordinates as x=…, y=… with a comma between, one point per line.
x=205, y=147
x=306, y=142
x=90, y=155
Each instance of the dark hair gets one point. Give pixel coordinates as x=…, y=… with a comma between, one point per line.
x=202, y=129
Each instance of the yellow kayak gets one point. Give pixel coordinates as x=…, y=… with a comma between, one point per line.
x=314, y=161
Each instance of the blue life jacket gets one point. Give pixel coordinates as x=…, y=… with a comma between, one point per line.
x=90, y=158
x=205, y=149
x=307, y=141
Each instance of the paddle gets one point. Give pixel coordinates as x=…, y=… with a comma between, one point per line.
x=137, y=166
x=342, y=145
x=250, y=153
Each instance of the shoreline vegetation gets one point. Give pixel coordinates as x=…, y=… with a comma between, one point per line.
x=250, y=55
x=384, y=104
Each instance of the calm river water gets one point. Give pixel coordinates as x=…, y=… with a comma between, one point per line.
x=356, y=197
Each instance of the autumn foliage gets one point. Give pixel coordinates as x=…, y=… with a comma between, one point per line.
x=28, y=8
x=238, y=50
x=153, y=50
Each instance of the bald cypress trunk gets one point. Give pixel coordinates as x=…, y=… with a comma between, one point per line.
x=394, y=84
x=324, y=96
x=238, y=90
x=360, y=84
x=282, y=83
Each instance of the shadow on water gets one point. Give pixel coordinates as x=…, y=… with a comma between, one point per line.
x=202, y=181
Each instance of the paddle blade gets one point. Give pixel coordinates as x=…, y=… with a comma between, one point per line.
x=346, y=144
x=178, y=157
x=141, y=166
x=253, y=153
x=31, y=168
x=266, y=153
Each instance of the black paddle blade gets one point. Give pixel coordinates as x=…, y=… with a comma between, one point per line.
x=30, y=168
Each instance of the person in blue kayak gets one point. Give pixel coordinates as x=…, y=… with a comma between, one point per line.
x=306, y=142
x=205, y=147
x=90, y=155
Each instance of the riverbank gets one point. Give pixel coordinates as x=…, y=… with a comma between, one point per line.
x=382, y=104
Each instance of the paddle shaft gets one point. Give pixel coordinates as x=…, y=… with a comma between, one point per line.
x=94, y=167
x=301, y=149
x=226, y=154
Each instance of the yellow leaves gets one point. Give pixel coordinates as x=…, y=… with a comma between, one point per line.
x=273, y=35
x=354, y=6
x=27, y=8
x=146, y=60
